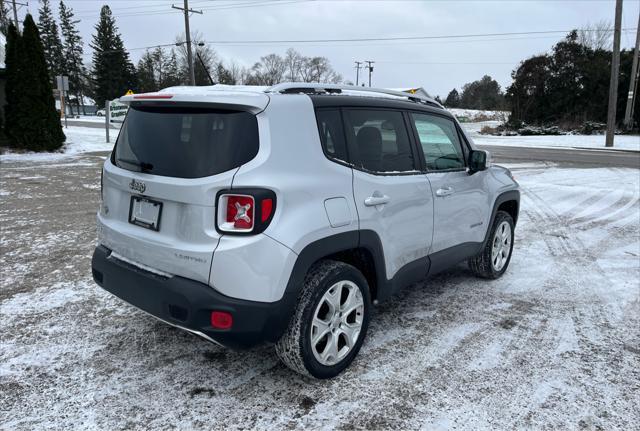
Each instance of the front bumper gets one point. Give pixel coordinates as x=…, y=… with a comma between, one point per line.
x=187, y=304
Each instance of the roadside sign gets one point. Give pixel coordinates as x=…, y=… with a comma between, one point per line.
x=128, y=93
x=62, y=83
x=117, y=111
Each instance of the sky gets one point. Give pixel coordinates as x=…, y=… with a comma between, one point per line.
x=437, y=64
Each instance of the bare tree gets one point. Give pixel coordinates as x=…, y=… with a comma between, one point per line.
x=307, y=70
x=269, y=70
x=597, y=35
x=293, y=61
x=238, y=73
x=318, y=69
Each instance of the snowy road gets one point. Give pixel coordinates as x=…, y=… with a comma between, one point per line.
x=555, y=343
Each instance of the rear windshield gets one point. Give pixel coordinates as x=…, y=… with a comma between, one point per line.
x=185, y=142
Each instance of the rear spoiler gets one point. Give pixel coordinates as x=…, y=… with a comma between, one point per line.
x=198, y=96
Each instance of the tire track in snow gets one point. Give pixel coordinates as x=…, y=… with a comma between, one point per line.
x=608, y=215
x=558, y=238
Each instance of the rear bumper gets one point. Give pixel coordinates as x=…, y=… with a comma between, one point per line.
x=188, y=304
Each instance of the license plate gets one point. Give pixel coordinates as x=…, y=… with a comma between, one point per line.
x=145, y=212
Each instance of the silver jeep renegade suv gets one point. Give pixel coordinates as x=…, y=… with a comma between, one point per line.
x=248, y=215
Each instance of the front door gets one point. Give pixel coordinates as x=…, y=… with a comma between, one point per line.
x=460, y=199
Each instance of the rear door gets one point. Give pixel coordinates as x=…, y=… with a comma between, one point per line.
x=392, y=196
x=161, y=182
x=460, y=199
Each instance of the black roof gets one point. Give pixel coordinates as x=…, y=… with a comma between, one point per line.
x=335, y=100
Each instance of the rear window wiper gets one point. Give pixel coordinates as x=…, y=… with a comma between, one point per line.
x=142, y=165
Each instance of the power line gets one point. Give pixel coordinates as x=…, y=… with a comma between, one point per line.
x=258, y=3
x=417, y=38
x=397, y=38
x=446, y=63
x=158, y=3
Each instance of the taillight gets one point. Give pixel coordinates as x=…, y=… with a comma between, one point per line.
x=221, y=319
x=244, y=211
x=238, y=213
x=267, y=209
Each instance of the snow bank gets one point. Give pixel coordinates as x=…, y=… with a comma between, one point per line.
x=79, y=140
x=475, y=114
x=621, y=142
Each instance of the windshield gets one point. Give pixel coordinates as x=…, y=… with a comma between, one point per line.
x=185, y=142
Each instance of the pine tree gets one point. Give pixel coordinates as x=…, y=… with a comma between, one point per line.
x=51, y=42
x=113, y=73
x=453, y=99
x=13, y=69
x=172, y=71
x=5, y=20
x=157, y=69
x=224, y=75
x=146, y=75
x=33, y=122
x=72, y=45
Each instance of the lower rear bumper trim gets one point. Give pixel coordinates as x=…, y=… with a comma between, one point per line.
x=187, y=304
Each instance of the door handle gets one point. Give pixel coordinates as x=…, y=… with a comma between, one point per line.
x=372, y=201
x=445, y=191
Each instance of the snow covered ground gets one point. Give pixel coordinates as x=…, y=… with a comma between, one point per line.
x=79, y=140
x=555, y=343
x=89, y=118
x=474, y=115
x=621, y=142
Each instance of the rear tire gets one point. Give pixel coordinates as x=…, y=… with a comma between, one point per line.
x=494, y=258
x=330, y=322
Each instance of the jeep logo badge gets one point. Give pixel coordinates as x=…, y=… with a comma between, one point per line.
x=138, y=186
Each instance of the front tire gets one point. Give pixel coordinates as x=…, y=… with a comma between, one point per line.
x=494, y=258
x=330, y=321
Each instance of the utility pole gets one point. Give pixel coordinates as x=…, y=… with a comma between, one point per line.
x=192, y=76
x=613, y=83
x=633, y=82
x=358, y=63
x=370, y=67
x=15, y=12
x=15, y=15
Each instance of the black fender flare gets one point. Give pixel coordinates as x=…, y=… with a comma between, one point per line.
x=323, y=247
x=327, y=246
x=357, y=239
x=509, y=195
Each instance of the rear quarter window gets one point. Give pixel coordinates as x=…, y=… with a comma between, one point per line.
x=185, y=142
x=332, y=134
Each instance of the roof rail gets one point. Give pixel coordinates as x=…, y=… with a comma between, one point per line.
x=306, y=87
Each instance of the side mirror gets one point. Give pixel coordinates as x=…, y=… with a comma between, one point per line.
x=478, y=161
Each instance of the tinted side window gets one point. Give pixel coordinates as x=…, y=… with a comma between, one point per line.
x=439, y=141
x=379, y=139
x=332, y=134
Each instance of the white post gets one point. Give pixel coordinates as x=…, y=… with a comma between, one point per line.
x=107, y=117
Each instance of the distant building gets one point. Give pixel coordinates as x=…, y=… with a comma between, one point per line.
x=413, y=90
